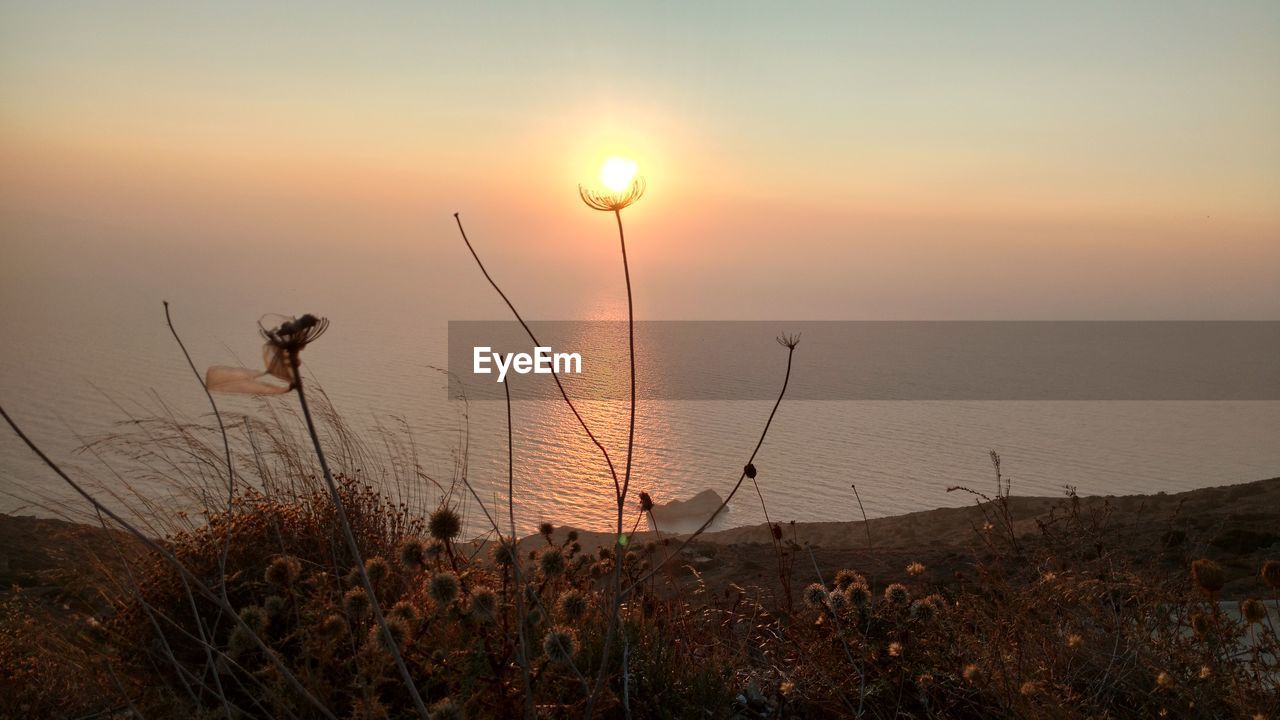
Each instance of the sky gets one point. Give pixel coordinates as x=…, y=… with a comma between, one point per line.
x=809, y=160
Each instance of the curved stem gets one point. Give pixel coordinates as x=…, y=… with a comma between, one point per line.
x=554, y=375
x=353, y=547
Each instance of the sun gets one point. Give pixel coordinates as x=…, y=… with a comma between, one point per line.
x=617, y=173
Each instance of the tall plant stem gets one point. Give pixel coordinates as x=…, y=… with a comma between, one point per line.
x=791, y=351
x=341, y=512
x=554, y=375
x=529, y=711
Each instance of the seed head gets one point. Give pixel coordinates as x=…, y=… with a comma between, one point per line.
x=572, y=606
x=1271, y=574
x=646, y=502
x=444, y=524
x=413, y=554
x=484, y=605
x=334, y=625
x=284, y=570
x=776, y=531
x=750, y=471
x=612, y=202
x=815, y=596
x=377, y=569
x=1208, y=575
x=356, y=602
x=255, y=617
x=859, y=595
x=1201, y=623
x=396, y=628
x=897, y=595
x=274, y=605
x=405, y=611
x=444, y=587
x=546, y=529
x=560, y=645
x=915, y=568
x=551, y=561
x=1253, y=610
x=972, y=673
x=845, y=578
x=504, y=552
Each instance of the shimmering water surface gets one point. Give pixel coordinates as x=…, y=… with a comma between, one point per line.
x=70, y=376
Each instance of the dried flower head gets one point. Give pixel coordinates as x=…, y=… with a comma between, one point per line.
x=406, y=611
x=280, y=353
x=789, y=341
x=274, y=605
x=1074, y=640
x=1164, y=680
x=845, y=578
x=444, y=587
x=776, y=531
x=504, y=552
x=413, y=554
x=444, y=524
x=572, y=606
x=255, y=617
x=395, y=636
x=484, y=605
x=546, y=529
x=646, y=502
x=897, y=595
x=356, y=602
x=284, y=570
x=815, y=596
x=859, y=595
x=612, y=201
x=895, y=649
x=560, y=645
x=1271, y=574
x=749, y=471
x=972, y=673
x=551, y=561
x=377, y=569
x=1253, y=610
x=334, y=625
x=1208, y=575
x=915, y=568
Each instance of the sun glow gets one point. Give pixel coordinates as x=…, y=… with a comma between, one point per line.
x=617, y=173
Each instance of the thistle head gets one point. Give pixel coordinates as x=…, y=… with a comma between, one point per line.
x=444, y=524
x=897, y=595
x=646, y=502
x=377, y=569
x=845, y=578
x=551, y=561
x=789, y=340
x=283, y=571
x=484, y=605
x=504, y=552
x=356, y=602
x=295, y=333
x=444, y=587
x=1271, y=574
x=413, y=554
x=815, y=595
x=1253, y=610
x=560, y=645
x=572, y=606
x=1208, y=575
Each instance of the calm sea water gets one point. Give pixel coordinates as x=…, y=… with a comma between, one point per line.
x=71, y=372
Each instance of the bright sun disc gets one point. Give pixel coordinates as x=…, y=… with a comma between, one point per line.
x=617, y=173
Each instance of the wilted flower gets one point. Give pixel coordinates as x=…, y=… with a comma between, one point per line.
x=1208, y=575
x=897, y=594
x=279, y=353
x=444, y=524
x=444, y=587
x=560, y=644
